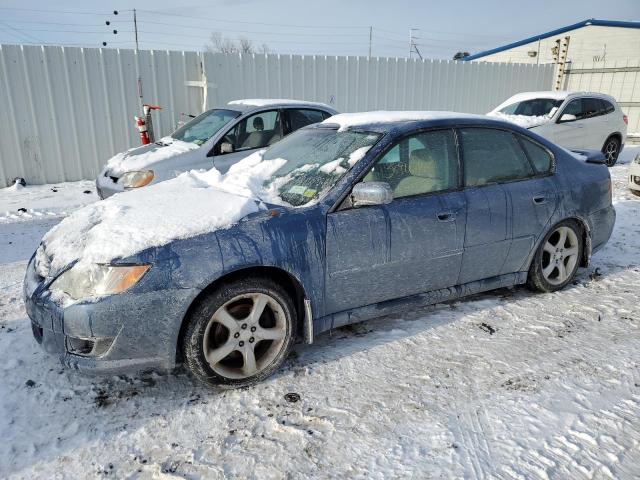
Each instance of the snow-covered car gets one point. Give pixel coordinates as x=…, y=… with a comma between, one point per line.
x=634, y=175
x=339, y=222
x=574, y=120
x=219, y=137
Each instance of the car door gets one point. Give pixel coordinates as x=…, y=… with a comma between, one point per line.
x=571, y=128
x=533, y=200
x=594, y=122
x=247, y=136
x=485, y=151
x=411, y=245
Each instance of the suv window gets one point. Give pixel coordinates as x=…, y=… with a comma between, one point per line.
x=422, y=163
x=574, y=108
x=590, y=107
x=607, y=107
x=492, y=156
x=540, y=157
x=257, y=131
x=298, y=118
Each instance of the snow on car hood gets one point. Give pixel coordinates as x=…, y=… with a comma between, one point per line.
x=523, y=121
x=140, y=158
x=193, y=203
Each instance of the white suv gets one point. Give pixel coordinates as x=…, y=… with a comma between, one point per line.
x=574, y=120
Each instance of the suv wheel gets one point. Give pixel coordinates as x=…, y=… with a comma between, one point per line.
x=240, y=333
x=557, y=259
x=611, y=150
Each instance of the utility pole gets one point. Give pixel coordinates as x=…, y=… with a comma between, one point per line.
x=135, y=29
x=370, y=38
x=412, y=44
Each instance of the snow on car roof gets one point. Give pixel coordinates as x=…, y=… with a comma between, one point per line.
x=266, y=102
x=346, y=120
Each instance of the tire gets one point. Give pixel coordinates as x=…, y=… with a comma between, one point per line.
x=546, y=273
x=611, y=150
x=226, y=330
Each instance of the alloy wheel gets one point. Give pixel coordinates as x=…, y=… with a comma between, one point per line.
x=611, y=151
x=245, y=335
x=560, y=255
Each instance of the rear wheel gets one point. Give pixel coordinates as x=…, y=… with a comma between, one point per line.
x=557, y=259
x=611, y=150
x=240, y=333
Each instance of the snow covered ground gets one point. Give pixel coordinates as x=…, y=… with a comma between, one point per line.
x=508, y=384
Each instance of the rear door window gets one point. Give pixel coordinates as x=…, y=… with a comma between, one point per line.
x=492, y=156
x=539, y=156
x=590, y=107
x=301, y=117
x=574, y=108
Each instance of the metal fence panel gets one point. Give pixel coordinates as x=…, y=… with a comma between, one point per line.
x=65, y=111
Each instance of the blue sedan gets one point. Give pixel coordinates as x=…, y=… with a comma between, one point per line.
x=375, y=212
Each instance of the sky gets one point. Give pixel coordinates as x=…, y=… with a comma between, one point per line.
x=326, y=27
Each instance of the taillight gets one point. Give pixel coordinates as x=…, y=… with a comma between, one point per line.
x=625, y=119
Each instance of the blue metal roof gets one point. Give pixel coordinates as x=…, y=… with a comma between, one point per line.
x=584, y=23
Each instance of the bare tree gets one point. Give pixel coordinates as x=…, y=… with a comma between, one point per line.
x=220, y=44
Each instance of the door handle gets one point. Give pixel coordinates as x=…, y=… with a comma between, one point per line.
x=446, y=216
x=540, y=199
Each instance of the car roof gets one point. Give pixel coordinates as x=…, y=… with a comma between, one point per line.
x=404, y=121
x=250, y=104
x=556, y=95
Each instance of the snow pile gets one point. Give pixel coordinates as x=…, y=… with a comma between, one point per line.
x=193, y=203
x=139, y=158
x=524, y=121
x=347, y=120
x=265, y=102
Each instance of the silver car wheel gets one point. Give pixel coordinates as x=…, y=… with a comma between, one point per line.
x=245, y=335
x=560, y=255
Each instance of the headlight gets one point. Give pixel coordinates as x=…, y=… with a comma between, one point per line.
x=91, y=281
x=136, y=179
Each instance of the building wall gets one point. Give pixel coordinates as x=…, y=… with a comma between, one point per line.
x=591, y=43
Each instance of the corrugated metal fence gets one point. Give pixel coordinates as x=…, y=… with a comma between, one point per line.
x=65, y=111
x=620, y=79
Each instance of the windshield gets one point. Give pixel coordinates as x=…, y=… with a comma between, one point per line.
x=316, y=158
x=204, y=126
x=535, y=107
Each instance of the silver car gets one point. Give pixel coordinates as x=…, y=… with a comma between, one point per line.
x=219, y=137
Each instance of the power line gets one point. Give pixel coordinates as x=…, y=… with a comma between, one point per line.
x=76, y=12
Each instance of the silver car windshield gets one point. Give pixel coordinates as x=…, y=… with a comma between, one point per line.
x=204, y=126
x=536, y=107
x=316, y=159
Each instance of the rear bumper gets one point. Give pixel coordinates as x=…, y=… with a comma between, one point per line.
x=602, y=223
x=138, y=331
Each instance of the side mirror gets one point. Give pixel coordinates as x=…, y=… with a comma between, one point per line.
x=226, y=147
x=371, y=193
x=567, y=117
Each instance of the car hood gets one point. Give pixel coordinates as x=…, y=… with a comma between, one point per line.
x=141, y=158
x=194, y=203
x=524, y=121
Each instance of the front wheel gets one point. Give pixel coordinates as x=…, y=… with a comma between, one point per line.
x=611, y=150
x=557, y=259
x=240, y=333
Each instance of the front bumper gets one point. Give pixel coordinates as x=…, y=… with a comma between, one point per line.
x=634, y=176
x=140, y=330
x=106, y=187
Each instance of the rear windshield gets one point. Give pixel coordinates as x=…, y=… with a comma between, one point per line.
x=535, y=107
x=204, y=126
